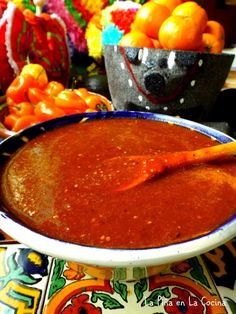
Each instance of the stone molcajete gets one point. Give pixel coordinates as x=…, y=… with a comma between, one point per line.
x=172, y=82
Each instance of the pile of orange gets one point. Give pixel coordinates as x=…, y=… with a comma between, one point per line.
x=175, y=24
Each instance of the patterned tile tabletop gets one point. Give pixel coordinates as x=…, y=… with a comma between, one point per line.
x=31, y=282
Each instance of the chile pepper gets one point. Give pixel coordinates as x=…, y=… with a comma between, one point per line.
x=38, y=72
x=68, y=99
x=18, y=89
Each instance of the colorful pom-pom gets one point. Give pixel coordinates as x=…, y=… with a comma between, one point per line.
x=111, y=34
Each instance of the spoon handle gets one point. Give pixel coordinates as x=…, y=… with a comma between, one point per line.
x=204, y=154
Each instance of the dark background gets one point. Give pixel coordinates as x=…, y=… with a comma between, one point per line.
x=225, y=14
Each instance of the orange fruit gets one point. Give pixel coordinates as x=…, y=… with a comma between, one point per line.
x=193, y=10
x=149, y=18
x=211, y=43
x=180, y=33
x=216, y=29
x=137, y=39
x=170, y=4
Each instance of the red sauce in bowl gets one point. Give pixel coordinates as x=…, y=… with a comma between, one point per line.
x=43, y=185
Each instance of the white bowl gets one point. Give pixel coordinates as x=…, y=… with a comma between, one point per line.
x=116, y=263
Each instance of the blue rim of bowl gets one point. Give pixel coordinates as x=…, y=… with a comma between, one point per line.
x=112, y=257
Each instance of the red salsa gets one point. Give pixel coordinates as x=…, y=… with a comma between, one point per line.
x=43, y=185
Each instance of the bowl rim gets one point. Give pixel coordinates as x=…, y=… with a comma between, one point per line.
x=106, y=257
x=225, y=54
